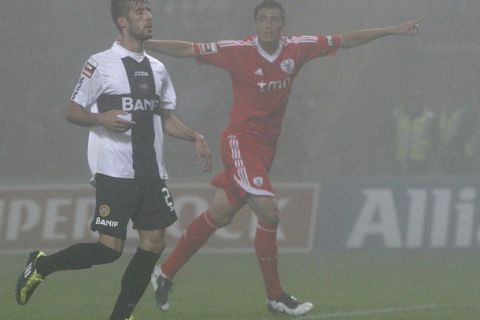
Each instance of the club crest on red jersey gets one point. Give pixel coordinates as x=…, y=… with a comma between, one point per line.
x=288, y=66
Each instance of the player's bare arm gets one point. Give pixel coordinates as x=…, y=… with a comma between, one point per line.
x=357, y=38
x=76, y=114
x=175, y=128
x=174, y=48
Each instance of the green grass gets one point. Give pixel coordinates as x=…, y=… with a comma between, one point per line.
x=383, y=285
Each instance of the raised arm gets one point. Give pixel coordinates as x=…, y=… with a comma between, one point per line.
x=175, y=128
x=174, y=48
x=357, y=38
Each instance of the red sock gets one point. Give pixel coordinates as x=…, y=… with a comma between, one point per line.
x=266, y=250
x=195, y=236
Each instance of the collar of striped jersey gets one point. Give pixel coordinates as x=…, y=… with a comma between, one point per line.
x=137, y=56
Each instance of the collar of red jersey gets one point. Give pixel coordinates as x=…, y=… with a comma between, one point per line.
x=270, y=57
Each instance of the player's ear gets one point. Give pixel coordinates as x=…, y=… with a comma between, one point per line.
x=122, y=22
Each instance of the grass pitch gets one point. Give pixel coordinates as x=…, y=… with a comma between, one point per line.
x=387, y=285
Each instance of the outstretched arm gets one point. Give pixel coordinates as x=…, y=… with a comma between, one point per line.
x=174, y=48
x=357, y=38
x=175, y=128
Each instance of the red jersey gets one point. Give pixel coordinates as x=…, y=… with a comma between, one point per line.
x=262, y=82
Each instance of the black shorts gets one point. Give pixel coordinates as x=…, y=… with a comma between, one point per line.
x=146, y=201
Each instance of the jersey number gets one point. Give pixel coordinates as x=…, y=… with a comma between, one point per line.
x=168, y=198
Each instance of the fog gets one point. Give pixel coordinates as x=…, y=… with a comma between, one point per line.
x=339, y=120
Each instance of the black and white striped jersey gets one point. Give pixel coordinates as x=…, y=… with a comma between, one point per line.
x=136, y=83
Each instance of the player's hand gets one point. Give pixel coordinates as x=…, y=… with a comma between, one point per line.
x=112, y=121
x=409, y=28
x=203, y=154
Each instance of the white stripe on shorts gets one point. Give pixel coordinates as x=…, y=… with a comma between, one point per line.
x=237, y=158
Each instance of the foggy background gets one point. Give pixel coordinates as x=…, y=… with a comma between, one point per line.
x=340, y=119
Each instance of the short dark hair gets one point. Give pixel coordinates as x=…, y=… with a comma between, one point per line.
x=269, y=4
x=121, y=8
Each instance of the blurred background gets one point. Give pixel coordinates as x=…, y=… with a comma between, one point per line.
x=398, y=106
x=380, y=150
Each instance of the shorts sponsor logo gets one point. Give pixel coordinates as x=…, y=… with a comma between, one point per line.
x=207, y=48
x=288, y=66
x=89, y=68
x=106, y=223
x=258, y=181
x=104, y=210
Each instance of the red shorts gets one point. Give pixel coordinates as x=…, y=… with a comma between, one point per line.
x=247, y=164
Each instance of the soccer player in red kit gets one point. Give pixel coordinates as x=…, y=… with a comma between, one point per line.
x=262, y=68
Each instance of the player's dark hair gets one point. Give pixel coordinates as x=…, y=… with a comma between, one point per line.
x=269, y=4
x=121, y=8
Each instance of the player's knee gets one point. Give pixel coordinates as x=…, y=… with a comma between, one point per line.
x=271, y=218
x=153, y=244
x=156, y=247
x=221, y=221
x=221, y=216
x=269, y=215
x=221, y=212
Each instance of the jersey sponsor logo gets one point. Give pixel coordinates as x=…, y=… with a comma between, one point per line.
x=89, y=68
x=259, y=72
x=141, y=74
x=274, y=85
x=78, y=87
x=329, y=41
x=131, y=104
x=104, y=210
x=288, y=66
x=106, y=223
x=207, y=48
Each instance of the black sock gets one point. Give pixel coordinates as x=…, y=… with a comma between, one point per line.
x=134, y=282
x=78, y=256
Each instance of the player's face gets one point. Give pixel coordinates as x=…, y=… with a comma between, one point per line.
x=269, y=24
x=140, y=21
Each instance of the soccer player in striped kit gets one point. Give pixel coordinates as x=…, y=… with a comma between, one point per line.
x=127, y=100
x=263, y=68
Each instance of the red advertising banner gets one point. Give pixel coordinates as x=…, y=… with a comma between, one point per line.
x=52, y=217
